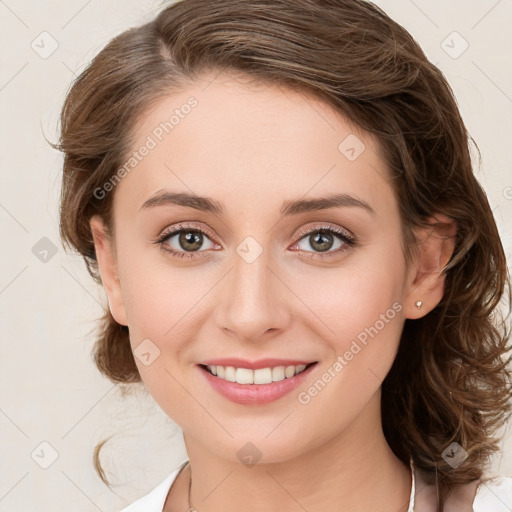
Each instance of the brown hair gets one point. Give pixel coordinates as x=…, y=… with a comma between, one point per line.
x=449, y=381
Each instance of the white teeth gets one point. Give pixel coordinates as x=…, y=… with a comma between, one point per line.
x=230, y=374
x=260, y=376
x=278, y=373
x=244, y=376
x=289, y=371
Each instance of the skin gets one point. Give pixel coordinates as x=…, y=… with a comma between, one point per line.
x=252, y=146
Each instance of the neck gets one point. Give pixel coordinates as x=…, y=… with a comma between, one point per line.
x=355, y=469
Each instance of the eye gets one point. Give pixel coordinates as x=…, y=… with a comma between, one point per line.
x=322, y=240
x=183, y=241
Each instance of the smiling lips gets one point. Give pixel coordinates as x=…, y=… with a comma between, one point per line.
x=255, y=383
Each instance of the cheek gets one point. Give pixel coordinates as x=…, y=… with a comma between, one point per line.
x=359, y=311
x=353, y=297
x=364, y=323
x=155, y=294
x=165, y=306
x=160, y=305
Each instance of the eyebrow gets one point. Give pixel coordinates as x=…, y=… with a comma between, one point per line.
x=205, y=204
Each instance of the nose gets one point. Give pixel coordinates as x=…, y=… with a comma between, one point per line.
x=253, y=300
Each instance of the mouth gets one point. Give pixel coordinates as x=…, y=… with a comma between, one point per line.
x=257, y=386
x=260, y=376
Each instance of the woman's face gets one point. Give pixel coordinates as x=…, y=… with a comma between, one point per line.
x=251, y=277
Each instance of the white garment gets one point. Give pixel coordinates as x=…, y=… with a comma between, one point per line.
x=494, y=496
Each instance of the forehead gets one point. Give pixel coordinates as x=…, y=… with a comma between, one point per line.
x=226, y=136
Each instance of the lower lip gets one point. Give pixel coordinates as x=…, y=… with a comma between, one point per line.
x=255, y=394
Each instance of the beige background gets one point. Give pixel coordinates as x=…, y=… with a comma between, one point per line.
x=50, y=389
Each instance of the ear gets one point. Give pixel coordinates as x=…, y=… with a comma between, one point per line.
x=425, y=282
x=107, y=265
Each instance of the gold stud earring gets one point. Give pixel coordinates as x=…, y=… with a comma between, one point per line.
x=419, y=304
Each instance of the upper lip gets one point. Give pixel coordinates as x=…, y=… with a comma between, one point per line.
x=255, y=365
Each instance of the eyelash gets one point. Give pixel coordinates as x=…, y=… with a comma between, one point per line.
x=349, y=240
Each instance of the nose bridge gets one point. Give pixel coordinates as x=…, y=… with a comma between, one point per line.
x=250, y=303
